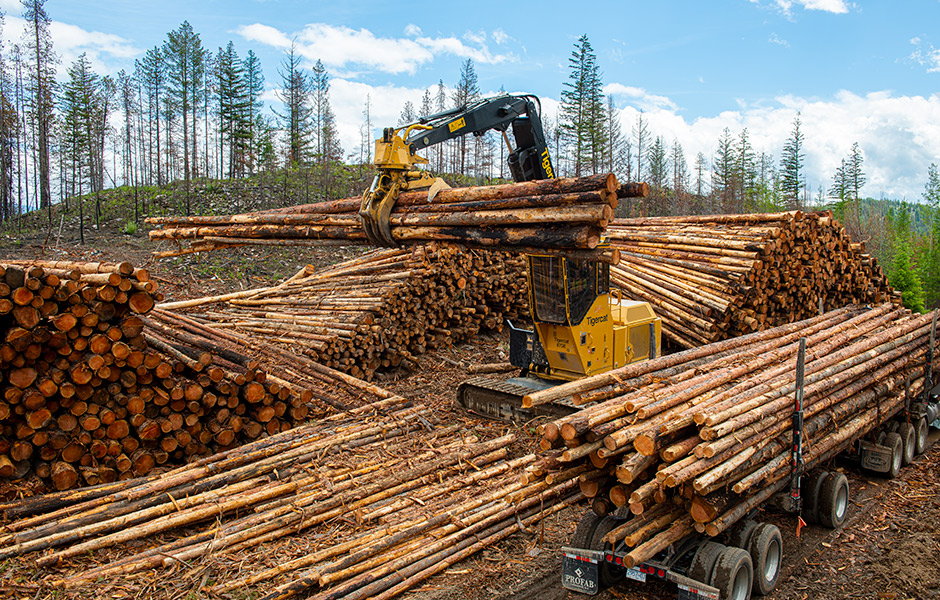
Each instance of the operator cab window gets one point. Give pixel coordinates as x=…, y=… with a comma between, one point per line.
x=582, y=288
x=548, y=288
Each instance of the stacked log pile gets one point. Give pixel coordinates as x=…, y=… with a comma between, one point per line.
x=378, y=501
x=95, y=387
x=714, y=277
x=377, y=310
x=553, y=213
x=694, y=440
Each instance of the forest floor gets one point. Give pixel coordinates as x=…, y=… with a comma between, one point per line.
x=889, y=548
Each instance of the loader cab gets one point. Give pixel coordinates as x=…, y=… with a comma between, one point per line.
x=580, y=329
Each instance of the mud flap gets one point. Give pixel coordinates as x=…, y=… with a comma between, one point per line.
x=579, y=573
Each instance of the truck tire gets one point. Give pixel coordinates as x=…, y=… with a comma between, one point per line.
x=733, y=575
x=810, y=489
x=608, y=573
x=703, y=563
x=920, y=436
x=585, y=530
x=896, y=444
x=766, y=550
x=834, y=501
x=906, y=431
x=740, y=534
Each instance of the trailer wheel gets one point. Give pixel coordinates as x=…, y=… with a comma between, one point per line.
x=894, y=441
x=766, y=550
x=892, y=427
x=920, y=436
x=813, y=487
x=734, y=574
x=834, y=500
x=585, y=530
x=608, y=573
x=703, y=563
x=906, y=431
x=740, y=535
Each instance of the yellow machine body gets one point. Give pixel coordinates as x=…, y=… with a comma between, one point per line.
x=581, y=327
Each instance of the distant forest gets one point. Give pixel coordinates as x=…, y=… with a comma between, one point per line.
x=186, y=114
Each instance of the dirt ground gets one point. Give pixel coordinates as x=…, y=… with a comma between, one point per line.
x=889, y=548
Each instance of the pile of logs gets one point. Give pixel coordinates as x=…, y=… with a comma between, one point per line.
x=364, y=504
x=553, y=213
x=377, y=310
x=714, y=277
x=694, y=440
x=97, y=387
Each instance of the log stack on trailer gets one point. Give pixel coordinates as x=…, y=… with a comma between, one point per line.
x=363, y=504
x=691, y=442
x=98, y=387
x=714, y=277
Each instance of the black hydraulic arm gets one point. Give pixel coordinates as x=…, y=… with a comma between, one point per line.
x=529, y=160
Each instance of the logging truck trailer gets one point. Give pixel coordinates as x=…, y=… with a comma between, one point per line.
x=746, y=558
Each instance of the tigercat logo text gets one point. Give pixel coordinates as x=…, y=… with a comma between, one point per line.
x=546, y=164
x=459, y=123
x=596, y=320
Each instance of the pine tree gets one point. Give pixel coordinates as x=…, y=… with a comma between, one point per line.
x=254, y=88
x=440, y=105
x=701, y=167
x=233, y=108
x=659, y=164
x=407, y=114
x=466, y=91
x=680, y=175
x=152, y=72
x=8, y=126
x=42, y=87
x=745, y=174
x=615, y=153
x=931, y=267
x=295, y=94
x=582, y=110
x=642, y=135
x=791, y=167
x=903, y=276
x=183, y=50
x=724, y=170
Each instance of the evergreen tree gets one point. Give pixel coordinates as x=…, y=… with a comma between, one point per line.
x=680, y=173
x=659, y=164
x=701, y=167
x=745, y=176
x=254, y=88
x=234, y=108
x=151, y=71
x=642, y=135
x=724, y=169
x=466, y=91
x=791, y=167
x=582, y=110
x=903, y=275
x=295, y=94
x=184, y=56
x=8, y=127
x=615, y=153
x=931, y=267
x=326, y=138
x=407, y=114
x=42, y=86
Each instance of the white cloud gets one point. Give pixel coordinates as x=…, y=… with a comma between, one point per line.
x=500, y=37
x=926, y=55
x=412, y=29
x=264, y=34
x=11, y=7
x=343, y=47
x=106, y=52
x=838, y=7
x=833, y=6
x=639, y=97
x=898, y=135
x=775, y=39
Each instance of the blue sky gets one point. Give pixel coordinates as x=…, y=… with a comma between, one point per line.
x=858, y=71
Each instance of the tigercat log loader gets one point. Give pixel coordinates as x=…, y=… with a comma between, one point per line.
x=580, y=328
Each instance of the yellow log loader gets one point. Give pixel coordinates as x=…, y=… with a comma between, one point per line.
x=580, y=327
